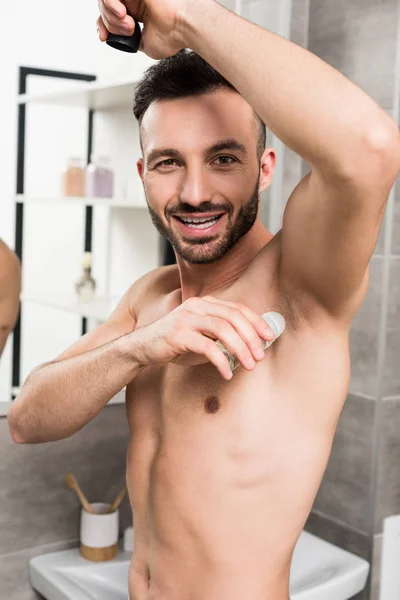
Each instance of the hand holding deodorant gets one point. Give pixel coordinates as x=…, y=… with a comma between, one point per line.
x=277, y=323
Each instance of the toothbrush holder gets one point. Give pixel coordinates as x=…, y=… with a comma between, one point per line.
x=99, y=533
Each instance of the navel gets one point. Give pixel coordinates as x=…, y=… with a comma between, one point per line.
x=212, y=404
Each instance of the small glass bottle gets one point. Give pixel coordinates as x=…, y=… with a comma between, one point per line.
x=99, y=178
x=277, y=323
x=85, y=286
x=73, y=178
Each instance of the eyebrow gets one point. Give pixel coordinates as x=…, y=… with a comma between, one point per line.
x=229, y=144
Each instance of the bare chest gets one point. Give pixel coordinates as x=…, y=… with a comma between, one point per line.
x=303, y=379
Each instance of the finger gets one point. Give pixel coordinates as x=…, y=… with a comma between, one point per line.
x=235, y=342
x=116, y=7
x=101, y=30
x=114, y=24
x=262, y=327
x=243, y=326
x=125, y=22
x=199, y=344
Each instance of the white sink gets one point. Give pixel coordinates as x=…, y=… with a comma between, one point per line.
x=320, y=571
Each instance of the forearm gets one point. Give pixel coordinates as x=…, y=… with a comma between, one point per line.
x=309, y=105
x=61, y=397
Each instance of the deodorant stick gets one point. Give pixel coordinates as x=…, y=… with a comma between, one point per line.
x=277, y=323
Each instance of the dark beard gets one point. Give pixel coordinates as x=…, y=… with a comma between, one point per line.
x=208, y=249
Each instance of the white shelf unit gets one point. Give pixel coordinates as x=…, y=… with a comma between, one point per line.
x=91, y=96
x=99, y=308
x=84, y=201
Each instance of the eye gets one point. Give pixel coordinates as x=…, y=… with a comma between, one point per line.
x=230, y=158
x=172, y=160
x=164, y=161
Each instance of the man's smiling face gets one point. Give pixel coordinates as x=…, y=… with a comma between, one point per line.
x=201, y=163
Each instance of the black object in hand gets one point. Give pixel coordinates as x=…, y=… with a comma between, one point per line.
x=126, y=43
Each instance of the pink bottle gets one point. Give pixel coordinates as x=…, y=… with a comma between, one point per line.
x=99, y=178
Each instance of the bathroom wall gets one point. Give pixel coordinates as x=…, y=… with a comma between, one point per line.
x=39, y=514
x=386, y=498
x=362, y=484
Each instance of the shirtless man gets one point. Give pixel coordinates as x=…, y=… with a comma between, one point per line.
x=10, y=289
x=222, y=473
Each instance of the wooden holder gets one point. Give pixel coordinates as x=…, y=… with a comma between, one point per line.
x=99, y=533
x=99, y=554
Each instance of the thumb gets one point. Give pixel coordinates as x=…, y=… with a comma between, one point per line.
x=102, y=31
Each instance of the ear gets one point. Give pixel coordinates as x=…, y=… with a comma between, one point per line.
x=268, y=163
x=140, y=167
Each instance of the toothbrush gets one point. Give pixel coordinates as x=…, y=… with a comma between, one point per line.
x=73, y=484
x=113, y=507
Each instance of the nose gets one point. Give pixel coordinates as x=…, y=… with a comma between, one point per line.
x=196, y=188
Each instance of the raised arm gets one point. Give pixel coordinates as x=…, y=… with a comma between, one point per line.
x=332, y=219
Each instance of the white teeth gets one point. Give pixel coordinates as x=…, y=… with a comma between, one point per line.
x=197, y=220
x=201, y=225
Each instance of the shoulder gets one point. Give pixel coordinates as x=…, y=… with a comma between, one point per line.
x=8, y=257
x=10, y=267
x=151, y=285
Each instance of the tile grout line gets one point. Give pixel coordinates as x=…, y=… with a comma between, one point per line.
x=49, y=546
x=341, y=523
x=362, y=395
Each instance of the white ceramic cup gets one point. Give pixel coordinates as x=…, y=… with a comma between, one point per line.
x=99, y=530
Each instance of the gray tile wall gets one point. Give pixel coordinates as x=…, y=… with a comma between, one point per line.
x=395, y=246
x=344, y=494
x=340, y=534
x=358, y=37
x=391, y=378
x=388, y=488
x=376, y=567
x=38, y=512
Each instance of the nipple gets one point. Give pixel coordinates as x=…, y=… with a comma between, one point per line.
x=212, y=404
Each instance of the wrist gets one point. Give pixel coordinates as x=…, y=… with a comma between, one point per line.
x=131, y=348
x=191, y=19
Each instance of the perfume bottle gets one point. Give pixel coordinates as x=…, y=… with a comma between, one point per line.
x=99, y=178
x=73, y=178
x=277, y=323
x=85, y=286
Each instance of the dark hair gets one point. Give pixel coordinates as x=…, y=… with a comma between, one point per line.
x=185, y=74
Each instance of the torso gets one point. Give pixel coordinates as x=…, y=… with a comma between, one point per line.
x=222, y=474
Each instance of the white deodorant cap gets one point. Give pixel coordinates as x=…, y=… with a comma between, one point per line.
x=276, y=321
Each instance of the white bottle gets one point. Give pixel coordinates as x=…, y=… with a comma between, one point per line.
x=277, y=323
